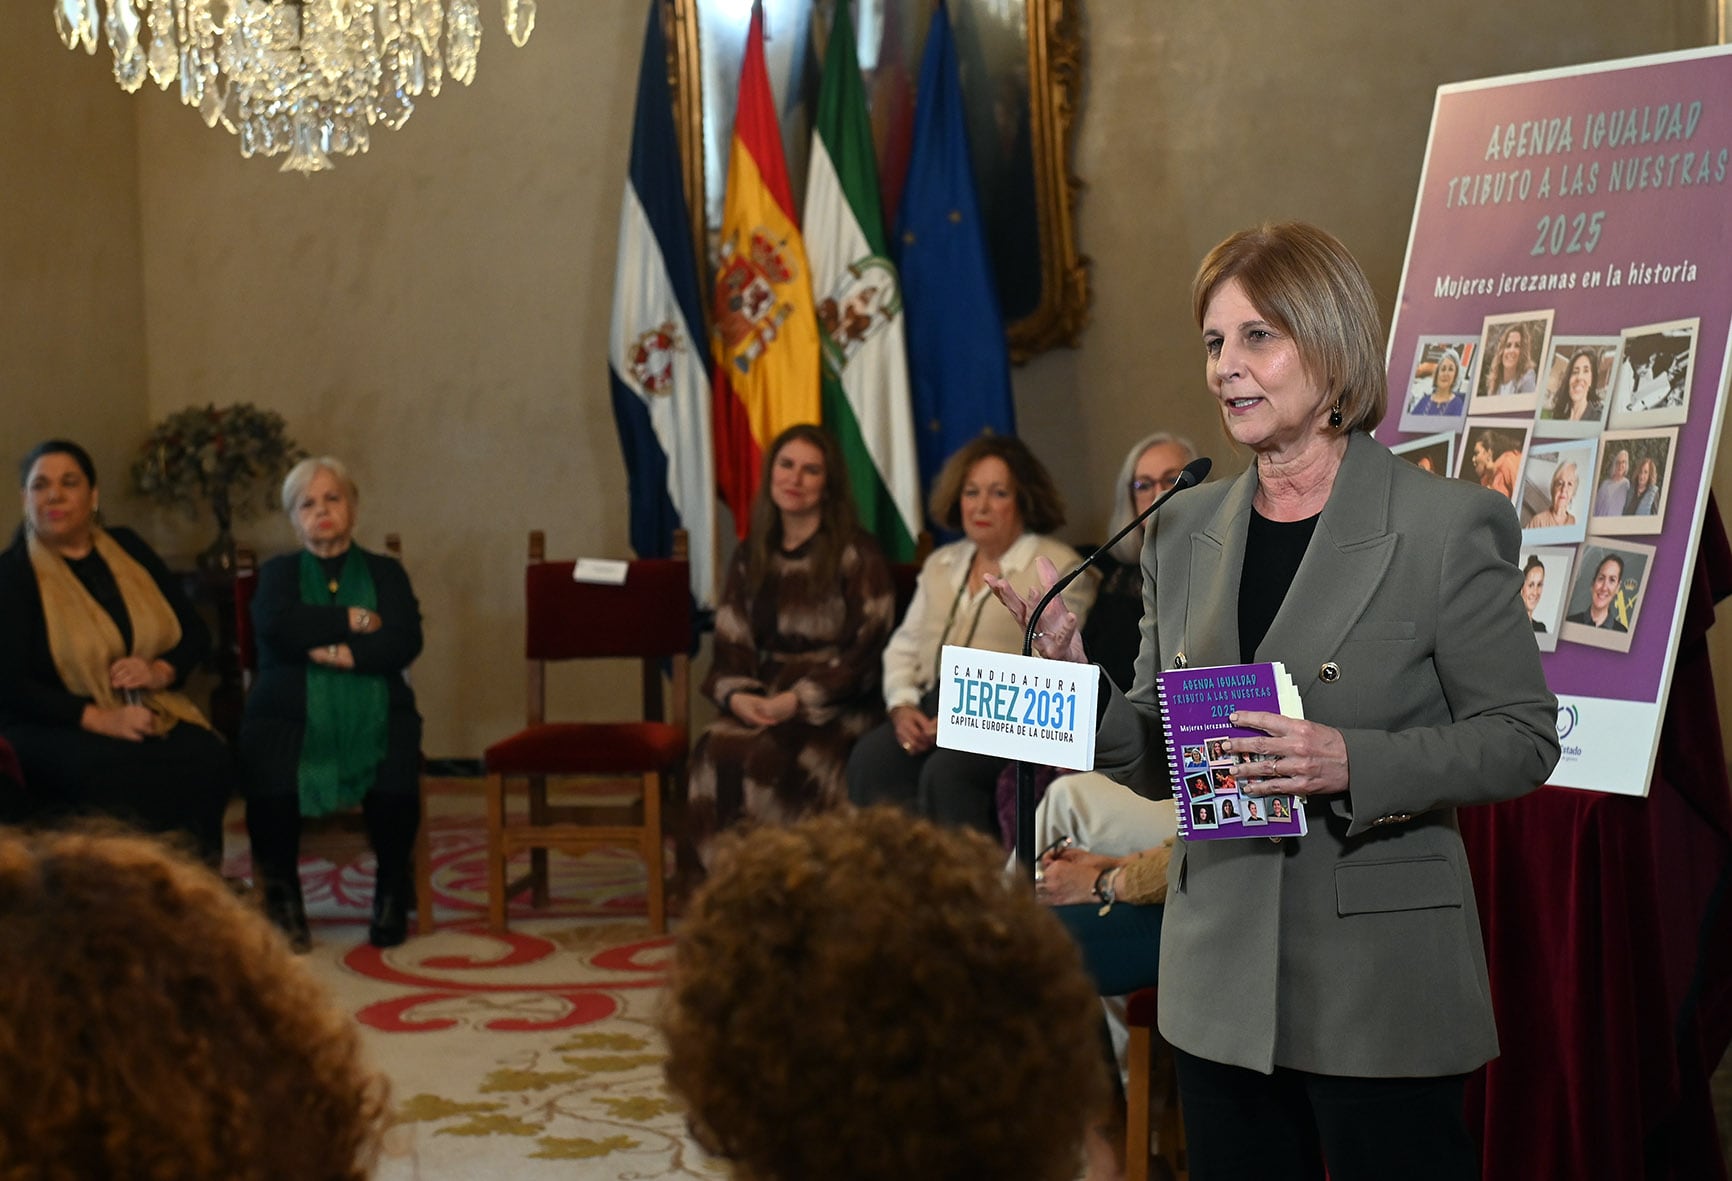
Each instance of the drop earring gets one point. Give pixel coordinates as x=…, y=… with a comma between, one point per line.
x=1335, y=415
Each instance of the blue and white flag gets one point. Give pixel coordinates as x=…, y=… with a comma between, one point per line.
x=658, y=355
x=958, y=361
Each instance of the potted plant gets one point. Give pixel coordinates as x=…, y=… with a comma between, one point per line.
x=230, y=457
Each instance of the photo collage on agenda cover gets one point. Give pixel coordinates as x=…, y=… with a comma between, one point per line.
x=1580, y=432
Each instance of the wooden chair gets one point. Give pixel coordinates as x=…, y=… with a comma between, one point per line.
x=338, y=835
x=649, y=618
x=1140, y=1067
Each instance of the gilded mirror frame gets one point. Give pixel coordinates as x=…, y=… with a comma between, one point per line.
x=1054, y=75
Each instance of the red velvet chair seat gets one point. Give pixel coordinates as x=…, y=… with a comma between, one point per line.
x=588, y=748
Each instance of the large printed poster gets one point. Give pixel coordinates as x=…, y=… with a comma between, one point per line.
x=1561, y=337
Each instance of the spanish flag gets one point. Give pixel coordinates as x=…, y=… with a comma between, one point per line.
x=765, y=339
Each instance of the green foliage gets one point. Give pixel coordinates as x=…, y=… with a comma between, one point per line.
x=229, y=457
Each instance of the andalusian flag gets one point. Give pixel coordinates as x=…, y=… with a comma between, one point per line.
x=656, y=357
x=765, y=338
x=860, y=305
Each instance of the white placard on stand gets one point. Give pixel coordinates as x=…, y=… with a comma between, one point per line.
x=1017, y=707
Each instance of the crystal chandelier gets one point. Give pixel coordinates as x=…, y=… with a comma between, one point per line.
x=306, y=77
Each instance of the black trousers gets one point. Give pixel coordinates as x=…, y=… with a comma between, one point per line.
x=176, y=785
x=392, y=819
x=952, y=787
x=1243, y=1125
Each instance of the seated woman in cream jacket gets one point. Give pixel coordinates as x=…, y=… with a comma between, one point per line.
x=1003, y=500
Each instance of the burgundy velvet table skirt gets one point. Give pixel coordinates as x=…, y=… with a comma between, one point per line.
x=1609, y=937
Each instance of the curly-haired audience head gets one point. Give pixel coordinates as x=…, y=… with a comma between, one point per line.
x=151, y=1026
x=867, y=996
x=1037, y=497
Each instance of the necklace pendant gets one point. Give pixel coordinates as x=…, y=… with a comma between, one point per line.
x=332, y=585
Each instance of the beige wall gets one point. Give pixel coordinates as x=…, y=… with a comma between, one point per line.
x=71, y=302
x=1201, y=119
x=437, y=311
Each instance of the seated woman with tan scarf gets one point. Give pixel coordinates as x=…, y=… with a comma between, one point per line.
x=96, y=637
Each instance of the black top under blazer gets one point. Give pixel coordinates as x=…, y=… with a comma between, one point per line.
x=285, y=630
x=1356, y=949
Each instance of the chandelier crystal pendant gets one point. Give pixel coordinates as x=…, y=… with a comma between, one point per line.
x=308, y=78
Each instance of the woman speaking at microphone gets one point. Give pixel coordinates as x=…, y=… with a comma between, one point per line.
x=1360, y=999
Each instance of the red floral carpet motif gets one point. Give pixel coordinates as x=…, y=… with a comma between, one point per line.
x=517, y=981
x=445, y=982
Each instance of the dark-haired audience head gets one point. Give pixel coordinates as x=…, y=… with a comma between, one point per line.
x=836, y=501
x=871, y=998
x=1038, y=502
x=58, y=481
x=1302, y=280
x=152, y=1025
x=57, y=447
x=786, y=490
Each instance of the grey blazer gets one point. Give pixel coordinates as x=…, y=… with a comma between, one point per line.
x=1356, y=949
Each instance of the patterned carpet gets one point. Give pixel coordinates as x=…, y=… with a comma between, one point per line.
x=527, y=1056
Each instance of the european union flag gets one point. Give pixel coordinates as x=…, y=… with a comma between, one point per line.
x=958, y=362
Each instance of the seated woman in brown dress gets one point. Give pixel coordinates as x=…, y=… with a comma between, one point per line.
x=800, y=635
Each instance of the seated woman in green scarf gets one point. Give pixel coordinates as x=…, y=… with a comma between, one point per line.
x=330, y=721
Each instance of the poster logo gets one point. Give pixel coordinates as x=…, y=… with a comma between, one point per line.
x=1567, y=719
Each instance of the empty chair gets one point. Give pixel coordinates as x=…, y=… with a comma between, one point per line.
x=647, y=617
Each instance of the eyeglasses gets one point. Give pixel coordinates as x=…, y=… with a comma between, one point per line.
x=1142, y=484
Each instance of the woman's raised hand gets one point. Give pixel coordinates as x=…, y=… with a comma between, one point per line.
x=1058, y=637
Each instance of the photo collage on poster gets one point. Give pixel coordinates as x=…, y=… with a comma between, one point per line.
x=1210, y=789
x=1580, y=433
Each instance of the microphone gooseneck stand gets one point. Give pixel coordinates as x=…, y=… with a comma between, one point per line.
x=1195, y=473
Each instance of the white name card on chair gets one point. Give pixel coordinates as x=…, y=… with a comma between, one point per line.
x=1017, y=707
x=601, y=571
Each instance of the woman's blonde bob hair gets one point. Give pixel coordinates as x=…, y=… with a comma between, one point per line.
x=1303, y=281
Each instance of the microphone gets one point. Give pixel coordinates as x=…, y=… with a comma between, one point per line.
x=1195, y=473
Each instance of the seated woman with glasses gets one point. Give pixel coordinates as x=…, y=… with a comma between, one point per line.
x=1151, y=468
